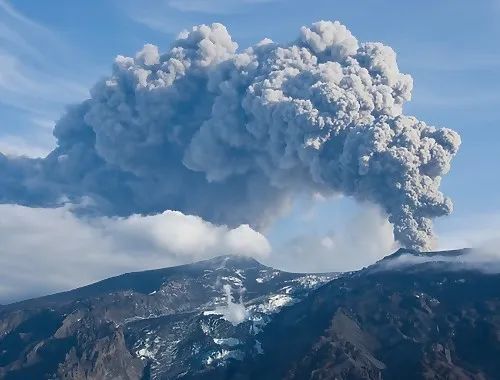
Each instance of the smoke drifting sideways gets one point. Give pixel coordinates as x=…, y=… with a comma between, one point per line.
x=233, y=136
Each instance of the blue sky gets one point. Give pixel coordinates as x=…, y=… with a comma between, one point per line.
x=51, y=54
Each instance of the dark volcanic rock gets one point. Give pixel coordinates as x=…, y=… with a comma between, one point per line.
x=425, y=320
x=157, y=324
x=409, y=316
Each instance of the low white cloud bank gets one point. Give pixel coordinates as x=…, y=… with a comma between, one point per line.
x=47, y=250
x=365, y=237
x=485, y=258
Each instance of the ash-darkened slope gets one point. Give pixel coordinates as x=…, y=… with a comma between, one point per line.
x=407, y=317
x=411, y=316
x=157, y=324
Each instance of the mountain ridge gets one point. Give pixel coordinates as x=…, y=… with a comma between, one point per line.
x=234, y=318
x=205, y=303
x=122, y=281
x=441, y=323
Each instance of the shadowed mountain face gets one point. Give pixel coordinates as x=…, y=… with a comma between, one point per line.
x=401, y=318
x=157, y=324
x=409, y=316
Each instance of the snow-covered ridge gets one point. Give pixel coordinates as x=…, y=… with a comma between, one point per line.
x=243, y=302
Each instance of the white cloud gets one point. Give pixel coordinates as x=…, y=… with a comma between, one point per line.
x=485, y=258
x=13, y=145
x=47, y=250
x=365, y=237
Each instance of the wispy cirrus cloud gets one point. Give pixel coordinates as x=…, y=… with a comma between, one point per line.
x=214, y=6
x=171, y=16
x=32, y=58
x=34, y=79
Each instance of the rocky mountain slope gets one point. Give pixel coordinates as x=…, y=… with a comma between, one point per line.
x=409, y=316
x=161, y=324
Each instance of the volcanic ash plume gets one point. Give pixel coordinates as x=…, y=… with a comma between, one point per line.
x=233, y=135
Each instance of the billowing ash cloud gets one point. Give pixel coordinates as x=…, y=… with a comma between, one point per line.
x=232, y=136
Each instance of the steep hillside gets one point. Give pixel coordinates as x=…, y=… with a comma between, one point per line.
x=153, y=324
x=410, y=316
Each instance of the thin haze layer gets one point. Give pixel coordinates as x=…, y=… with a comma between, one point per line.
x=233, y=136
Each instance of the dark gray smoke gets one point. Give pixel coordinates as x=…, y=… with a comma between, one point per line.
x=233, y=136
